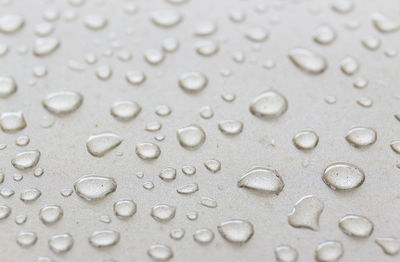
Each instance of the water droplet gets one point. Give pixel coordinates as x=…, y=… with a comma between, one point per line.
x=257, y=34
x=193, y=82
x=147, y=151
x=306, y=213
x=27, y=238
x=148, y=185
x=207, y=48
x=262, y=179
x=135, y=77
x=236, y=231
x=20, y=219
x=349, y=65
x=329, y=251
x=191, y=137
x=189, y=170
x=63, y=102
x=343, y=6
x=51, y=214
x=384, y=24
x=99, y=145
x=22, y=141
x=361, y=136
x=308, y=61
x=95, y=22
x=5, y=211
x=371, y=42
x=395, y=145
x=45, y=46
x=11, y=23
x=8, y=86
x=239, y=57
x=153, y=126
x=66, y=192
x=365, y=102
x=43, y=29
x=360, y=83
x=166, y=18
x=286, y=253
x=230, y=127
x=104, y=238
x=154, y=56
x=269, y=104
x=163, y=110
x=124, y=208
x=206, y=28
x=168, y=174
x=213, y=165
x=25, y=160
x=125, y=110
x=208, y=202
x=177, y=233
x=188, y=189
x=192, y=215
x=104, y=72
x=7, y=192
x=237, y=15
x=30, y=194
x=324, y=35
x=203, y=236
x=343, y=176
x=306, y=140
x=105, y=219
x=94, y=187
x=356, y=226
x=39, y=71
x=170, y=44
x=389, y=245
x=61, y=243
x=206, y=112
x=160, y=252
x=163, y=212
x=12, y=121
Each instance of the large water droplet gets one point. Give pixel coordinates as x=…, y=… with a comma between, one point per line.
x=269, y=104
x=262, y=179
x=343, y=176
x=25, y=160
x=104, y=238
x=361, y=136
x=308, y=61
x=306, y=213
x=356, y=226
x=63, y=102
x=94, y=187
x=236, y=231
x=191, y=137
x=99, y=145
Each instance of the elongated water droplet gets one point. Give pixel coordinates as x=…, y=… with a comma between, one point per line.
x=163, y=212
x=94, y=187
x=365, y=102
x=230, y=127
x=329, y=251
x=45, y=46
x=356, y=226
x=11, y=23
x=308, y=61
x=104, y=238
x=160, y=252
x=286, y=253
x=191, y=137
x=124, y=208
x=193, y=82
x=306, y=140
x=203, y=236
x=125, y=110
x=8, y=86
x=188, y=189
x=262, y=179
x=306, y=213
x=12, y=121
x=25, y=160
x=389, y=245
x=361, y=136
x=63, y=102
x=384, y=24
x=99, y=145
x=269, y=104
x=206, y=28
x=147, y=151
x=343, y=176
x=236, y=231
x=61, y=243
x=208, y=202
x=27, y=238
x=51, y=214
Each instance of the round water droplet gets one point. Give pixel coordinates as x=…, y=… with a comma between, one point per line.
x=50, y=214
x=286, y=253
x=95, y=22
x=27, y=238
x=188, y=189
x=20, y=219
x=236, y=231
x=170, y=44
x=11, y=23
x=193, y=82
x=163, y=212
x=163, y=110
x=360, y=83
x=94, y=187
x=125, y=110
x=361, y=136
x=189, y=170
x=160, y=252
x=257, y=34
x=45, y=46
x=135, y=77
x=329, y=251
x=8, y=86
x=269, y=104
x=166, y=18
x=349, y=65
x=203, y=236
x=389, y=245
x=22, y=140
x=324, y=35
x=306, y=213
x=343, y=176
x=5, y=211
x=213, y=165
x=306, y=140
x=192, y=215
x=104, y=72
x=99, y=145
x=371, y=42
x=104, y=238
x=12, y=121
x=154, y=56
x=308, y=61
x=30, y=194
x=262, y=179
x=230, y=127
x=124, y=208
x=25, y=160
x=356, y=226
x=63, y=102
x=147, y=151
x=191, y=137
x=168, y=174
x=61, y=243
x=207, y=48
x=206, y=112
x=177, y=233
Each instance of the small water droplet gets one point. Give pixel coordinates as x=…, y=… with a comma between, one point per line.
x=11, y=23
x=61, y=243
x=206, y=112
x=8, y=86
x=365, y=102
x=286, y=253
x=188, y=189
x=25, y=160
x=154, y=56
x=99, y=145
x=189, y=170
x=306, y=213
x=104, y=72
x=135, y=77
x=207, y=47
x=360, y=83
x=191, y=137
x=160, y=252
x=208, y=202
x=306, y=140
x=166, y=17
x=30, y=194
x=371, y=42
x=384, y=24
x=125, y=110
x=193, y=82
x=95, y=22
x=50, y=214
x=230, y=127
x=324, y=35
x=343, y=6
x=257, y=34
x=168, y=174
x=45, y=46
x=5, y=211
x=20, y=219
x=213, y=165
x=349, y=65
x=22, y=140
x=177, y=233
x=170, y=44
x=124, y=208
x=206, y=28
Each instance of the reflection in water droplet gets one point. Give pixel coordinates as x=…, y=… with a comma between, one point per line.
x=356, y=226
x=188, y=189
x=306, y=213
x=12, y=121
x=193, y=82
x=361, y=136
x=104, y=238
x=343, y=176
x=25, y=160
x=61, y=243
x=50, y=214
x=147, y=151
x=203, y=236
x=63, y=102
x=124, y=208
x=125, y=110
x=389, y=245
x=384, y=24
x=269, y=104
x=191, y=137
x=26, y=238
x=168, y=174
x=308, y=61
x=230, y=127
x=94, y=187
x=99, y=145
x=329, y=251
x=8, y=86
x=160, y=252
x=236, y=231
x=306, y=140
x=166, y=18
x=213, y=165
x=262, y=179
x=349, y=65
x=324, y=35
x=45, y=46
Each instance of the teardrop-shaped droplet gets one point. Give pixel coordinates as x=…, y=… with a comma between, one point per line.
x=286, y=253
x=269, y=104
x=104, y=238
x=51, y=214
x=94, y=187
x=124, y=208
x=27, y=238
x=384, y=24
x=329, y=251
x=306, y=213
x=389, y=245
x=166, y=17
x=163, y=212
x=188, y=189
x=148, y=151
x=45, y=46
x=361, y=136
x=160, y=252
x=8, y=86
x=306, y=140
x=63, y=102
x=11, y=23
x=324, y=35
x=191, y=137
x=308, y=61
x=25, y=160
x=356, y=226
x=61, y=243
x=30, y=194
x=203, y=236
x=193, y=82
x=236, y=231
x=343, y=176
x=262, y=179
x=99, y=145
x=12, y=121
x=230, y=127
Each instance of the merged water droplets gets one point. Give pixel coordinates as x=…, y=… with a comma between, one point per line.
x=308, y=61
x=99, y=145
x=269, y=104
x=93, y=187
x=306, y=213
x=26, y=160
x=262, y=179
x=193, y=82
x=343, y=176
x=104, y=238
x=163, y=212
x=191, y=137
x=236, y=231
x=12, y=121
x=361, y=136
x=329, y=251
x=61, y=243
x=8, y=86
x=356, y=226
x=63, y=102
x=306, y=140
